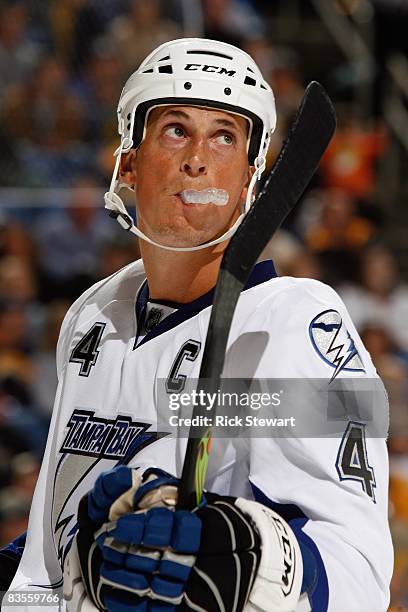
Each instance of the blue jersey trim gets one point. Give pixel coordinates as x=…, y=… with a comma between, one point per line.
x=315, y=581
x=314, y=573
x=286, y=511
x=262, y=272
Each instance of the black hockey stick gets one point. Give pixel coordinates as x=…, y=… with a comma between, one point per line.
x=298, y=160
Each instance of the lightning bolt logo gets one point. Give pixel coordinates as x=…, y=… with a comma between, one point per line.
x=342, y=354
x=333, y=343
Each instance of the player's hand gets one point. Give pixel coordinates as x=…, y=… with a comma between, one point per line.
x=141, y=557
x=138, y=553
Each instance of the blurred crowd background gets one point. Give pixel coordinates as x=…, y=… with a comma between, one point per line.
x=62, y=67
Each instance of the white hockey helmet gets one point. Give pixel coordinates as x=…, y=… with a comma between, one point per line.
x=194, y=72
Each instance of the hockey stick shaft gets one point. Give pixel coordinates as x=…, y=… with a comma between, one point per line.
x=297, y=162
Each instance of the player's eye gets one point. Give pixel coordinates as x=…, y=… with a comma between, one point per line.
x=225, y=138
x=174, y=131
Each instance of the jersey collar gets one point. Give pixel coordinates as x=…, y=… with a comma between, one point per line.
x=261, y=273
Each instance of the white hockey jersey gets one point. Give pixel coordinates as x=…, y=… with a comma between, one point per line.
x=332, y=489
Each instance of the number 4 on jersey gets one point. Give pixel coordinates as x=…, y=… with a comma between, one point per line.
x=86, y=351
x=352, y=462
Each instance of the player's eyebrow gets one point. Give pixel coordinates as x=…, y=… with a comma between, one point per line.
x=179, y=114
x=226, y=123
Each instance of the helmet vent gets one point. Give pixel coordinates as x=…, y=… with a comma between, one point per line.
x=250, y=69
x=168, y=69
x=148, y=70
x=263, y=87
x=214, y=53
x=249, y=81
x=164, y=59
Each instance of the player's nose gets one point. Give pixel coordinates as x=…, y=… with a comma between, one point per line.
x=194, y=162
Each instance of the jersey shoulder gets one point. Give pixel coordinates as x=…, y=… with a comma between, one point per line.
x=296, y=291
x=122, y=286
x=290, y=298
x=310, y=320
x=295, y=298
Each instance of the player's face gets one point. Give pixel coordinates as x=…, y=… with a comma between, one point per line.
x=188, y=148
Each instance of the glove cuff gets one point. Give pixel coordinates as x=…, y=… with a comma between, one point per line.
x=279, y=578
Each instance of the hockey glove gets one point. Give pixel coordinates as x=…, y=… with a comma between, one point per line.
x=137, y=553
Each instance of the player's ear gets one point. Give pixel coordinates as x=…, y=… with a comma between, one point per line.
x=127, y=168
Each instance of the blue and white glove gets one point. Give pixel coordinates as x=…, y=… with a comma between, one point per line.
x=136, y=552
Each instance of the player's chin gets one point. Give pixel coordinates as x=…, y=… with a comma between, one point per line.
x=180, y=233
x=184, y=239
x=182, y=230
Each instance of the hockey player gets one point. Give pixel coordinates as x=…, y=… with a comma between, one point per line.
x=288, y=523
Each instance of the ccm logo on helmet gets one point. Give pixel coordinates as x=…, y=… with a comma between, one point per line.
x=207, y=68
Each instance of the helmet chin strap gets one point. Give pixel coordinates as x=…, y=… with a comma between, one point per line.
x=117, y=209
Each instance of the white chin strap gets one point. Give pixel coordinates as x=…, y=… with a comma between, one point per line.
x=116, y=208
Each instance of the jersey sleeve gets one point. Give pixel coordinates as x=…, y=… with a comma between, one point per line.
x=39, y=568
x=331, y=485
